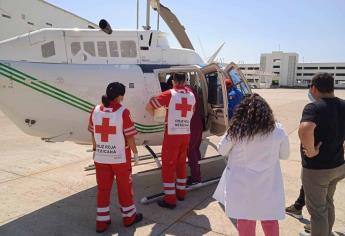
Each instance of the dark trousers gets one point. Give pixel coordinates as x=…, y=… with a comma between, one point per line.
x=194, y=154
x=300, y=202
x=319, y=186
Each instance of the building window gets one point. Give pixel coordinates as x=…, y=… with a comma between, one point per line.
x=128, y=49
x=311, y=68
x=299, y=68
x=276, y=60
x=340, y=74
x=113, y=49
x=277, y=73
x=340, y=67
x=327, y=68
x=256, y=68
x=299, y=74
x=89, y=47
x=276, y=66
x=75, y=48
x=242, y=68
x=6, y=16
x=102, y=49
x=250, y=68
x=48, y=49
x=308, y=74
x=332, y=74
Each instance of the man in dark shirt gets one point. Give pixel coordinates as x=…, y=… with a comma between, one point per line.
x=322, y=134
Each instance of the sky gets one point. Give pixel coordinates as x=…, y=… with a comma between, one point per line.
x=315, y=29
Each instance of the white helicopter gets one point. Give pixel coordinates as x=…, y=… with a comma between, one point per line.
x=51, y=79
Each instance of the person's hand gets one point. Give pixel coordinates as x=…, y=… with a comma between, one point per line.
x=314, y=152
x=136, y=158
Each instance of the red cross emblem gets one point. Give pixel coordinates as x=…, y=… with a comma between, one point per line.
x=105, y=130
x=184, y=107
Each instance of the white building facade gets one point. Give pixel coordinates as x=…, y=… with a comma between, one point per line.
x=258, y=78
x=305, y=72
x=290, y=73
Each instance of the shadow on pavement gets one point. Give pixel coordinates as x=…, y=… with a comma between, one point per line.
x=75, y=215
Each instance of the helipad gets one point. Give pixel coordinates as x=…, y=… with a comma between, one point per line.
x=44, y=189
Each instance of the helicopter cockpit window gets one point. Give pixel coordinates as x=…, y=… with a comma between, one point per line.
x=102, y=49
x=89, y=47
x=240, y=84
x=48, y=49
x=75, y=48
x=128, y=49
x=113, y=49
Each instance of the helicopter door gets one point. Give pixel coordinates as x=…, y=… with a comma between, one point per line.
x=217, y=99
x=237, y=78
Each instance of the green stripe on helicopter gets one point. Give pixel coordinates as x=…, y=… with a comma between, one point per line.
x=40, y=85
x=49, y=93
x=62, y=96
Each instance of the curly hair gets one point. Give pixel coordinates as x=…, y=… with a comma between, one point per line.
x=252, y=116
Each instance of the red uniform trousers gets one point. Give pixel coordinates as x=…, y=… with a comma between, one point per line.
x=105, y=177
x=174, y=175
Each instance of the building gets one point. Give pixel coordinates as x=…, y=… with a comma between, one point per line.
x=305, y=72
x=19, y=17
x=289, y=72
x=258, y=78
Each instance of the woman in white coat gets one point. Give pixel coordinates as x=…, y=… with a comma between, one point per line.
x=251, y=187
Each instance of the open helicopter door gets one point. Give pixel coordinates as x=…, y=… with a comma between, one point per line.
x=238, y=78
x=217, y=119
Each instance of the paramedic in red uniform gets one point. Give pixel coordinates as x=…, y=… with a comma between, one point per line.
x=179, y=102
x=113, y=138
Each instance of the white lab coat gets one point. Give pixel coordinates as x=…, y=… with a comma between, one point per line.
x=251, y=186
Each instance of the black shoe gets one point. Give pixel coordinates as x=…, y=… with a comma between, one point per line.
x=190, y=181
x=102, y=226
x=163, y=204
x=293, y=211
x=307, y=228
x=138, y=218
x=180, y=199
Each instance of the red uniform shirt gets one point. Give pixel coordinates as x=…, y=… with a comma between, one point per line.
x=164, y=98
x=128, y=125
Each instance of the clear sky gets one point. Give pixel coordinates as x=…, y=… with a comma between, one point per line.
x=315, y=29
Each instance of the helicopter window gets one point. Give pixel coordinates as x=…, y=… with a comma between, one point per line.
x=48, y=49
x=75, y=48
x=89, y=47
x=113, y=49
x=240, y=84
x=102, y=49
x=128, y=49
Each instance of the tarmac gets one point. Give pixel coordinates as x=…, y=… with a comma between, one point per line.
x=44, y=189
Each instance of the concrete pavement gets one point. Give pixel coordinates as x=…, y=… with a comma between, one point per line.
x=44, y=190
